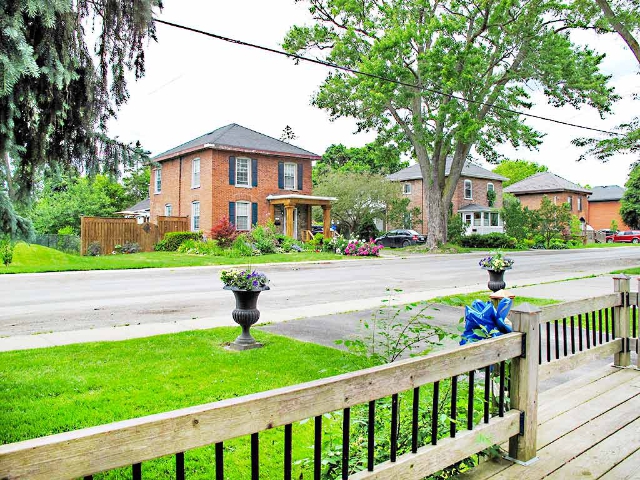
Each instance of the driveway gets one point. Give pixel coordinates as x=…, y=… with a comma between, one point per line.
x=39, y=303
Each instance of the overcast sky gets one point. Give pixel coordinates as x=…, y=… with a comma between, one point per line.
x=195, y=84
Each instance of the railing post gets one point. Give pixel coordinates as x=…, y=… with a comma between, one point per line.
x=524, y=382
x=637, y=320
x=622, y=285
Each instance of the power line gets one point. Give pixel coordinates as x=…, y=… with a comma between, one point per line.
x=377, y=77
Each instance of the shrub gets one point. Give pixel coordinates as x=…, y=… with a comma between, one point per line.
x=94, y=249
x=264, y=239
x=130, y=247
x=241, y=248
x=557, y=244
x=362, y=249
x=367, y=230
x=224, y=232
x=491, y=240
x=68, y=230
x=173, y=240
x=6, y=251
x=455, y=229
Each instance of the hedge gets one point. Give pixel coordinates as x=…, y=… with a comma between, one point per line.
x=173, y=240
x=491, y=240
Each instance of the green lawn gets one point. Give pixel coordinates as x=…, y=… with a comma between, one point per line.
x=35, y=258
x=58, y=389
x=468, y=298
x=629, y=271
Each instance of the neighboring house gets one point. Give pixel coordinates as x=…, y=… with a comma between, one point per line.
x=531, y=190
x=238, y=173
x=469, y=199
x=139, y=211
x=604, y=206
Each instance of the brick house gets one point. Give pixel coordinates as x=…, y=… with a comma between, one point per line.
x=469, y=198
x=239, y=173
x=604, y=206
x=531, y=190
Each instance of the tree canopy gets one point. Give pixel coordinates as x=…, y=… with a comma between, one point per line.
x=58, y=89
x=463, y=68
x=630, y=202
x=516, y=170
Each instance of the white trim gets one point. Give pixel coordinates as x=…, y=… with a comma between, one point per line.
x=300, y=197
x=493, y=188
x=248, y=185
x=194, y=162
x=195, y=205
x=168, y=209
x=157, y=171
x=464, y=193
x=404, y=188
x=295, y=176
x=248, y=204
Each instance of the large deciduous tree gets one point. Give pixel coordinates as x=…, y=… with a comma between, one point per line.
x=516, y=170
x=58, y=90
x=630, y=202
x=466, y=65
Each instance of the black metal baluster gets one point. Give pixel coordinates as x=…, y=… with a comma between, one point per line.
x=487, y=392
x=548, y=341
x=136, y=470
x=346, y=424
x=634, y=321
x=600, y=326
x=454, y=406
x=180, y=466
x=580, y=331
x=434, y=413
x=586, y=330
x=613, y=325
x=414, y=419
x=606, y=323
x=371, y=435
x=501, y=397
x=394, y=427
x=317, y=448
x=472, y=375
x=539, y=346
x=593, y=328
x=219, y=461
x=557, y=342
x=288, y=440
x=255, y=456
x=564, y=336
x=573, y=336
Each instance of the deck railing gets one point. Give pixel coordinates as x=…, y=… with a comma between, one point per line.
x=546, y=341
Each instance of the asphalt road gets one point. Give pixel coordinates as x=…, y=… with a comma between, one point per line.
x=38, y=303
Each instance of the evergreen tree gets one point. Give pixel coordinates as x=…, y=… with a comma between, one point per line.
x=56, y=96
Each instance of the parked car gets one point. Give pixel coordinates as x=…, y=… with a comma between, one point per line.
x=629, y=236
x=400, y=238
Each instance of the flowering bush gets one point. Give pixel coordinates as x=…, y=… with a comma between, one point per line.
x=244, y=279
x=362, y=249
x=496, y=262
x=224, y=232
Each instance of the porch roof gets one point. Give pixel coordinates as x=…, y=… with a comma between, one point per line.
x=300, y=199
x=474, y=207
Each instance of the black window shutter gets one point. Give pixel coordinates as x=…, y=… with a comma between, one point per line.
x=232, y=212
x=300, y=173
x=280, y=175
x=232, y=170
x=254, y=172
x=254, y=214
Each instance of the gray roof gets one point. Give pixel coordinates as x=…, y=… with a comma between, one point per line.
x=236, y=136
x=474, y=207
x=469, y=170
x=606, y=193
x=544, y=182
x=141, y=205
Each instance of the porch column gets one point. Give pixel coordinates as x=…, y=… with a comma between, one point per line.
x=288, y=209
x=326, y=220
x=272, y=212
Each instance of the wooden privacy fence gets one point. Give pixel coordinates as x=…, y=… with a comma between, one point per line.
x=537, y=333
x=109, y=232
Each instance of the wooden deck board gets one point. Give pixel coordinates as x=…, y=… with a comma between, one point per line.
x=581, y=422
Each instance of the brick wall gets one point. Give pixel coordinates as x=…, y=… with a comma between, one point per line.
x=601, y=214
x=533, y=200
x=416, y=199
x=215, y=193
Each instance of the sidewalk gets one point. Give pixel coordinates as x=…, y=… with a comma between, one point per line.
x=322, y=323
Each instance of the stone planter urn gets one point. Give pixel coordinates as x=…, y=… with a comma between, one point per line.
x=496, y=279
x=245, y=314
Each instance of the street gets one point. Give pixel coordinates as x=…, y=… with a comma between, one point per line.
x=53, y=302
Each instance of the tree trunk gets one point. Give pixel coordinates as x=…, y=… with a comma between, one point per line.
x=623, y=31
x=436, y=214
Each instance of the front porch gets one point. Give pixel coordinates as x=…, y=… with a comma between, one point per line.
x=480, y=219
x=292, y=214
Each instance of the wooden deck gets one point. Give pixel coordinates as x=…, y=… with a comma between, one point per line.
x=589, y=428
